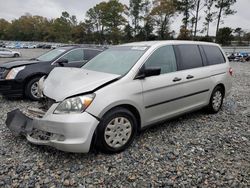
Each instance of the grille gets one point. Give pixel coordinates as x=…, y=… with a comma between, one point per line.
x=47, y=103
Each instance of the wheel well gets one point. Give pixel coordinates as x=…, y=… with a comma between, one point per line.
x=134, y=111
x=31, y=77
x=223, y=87
x=126, y=106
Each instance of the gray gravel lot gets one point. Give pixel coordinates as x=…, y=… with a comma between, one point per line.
x=195, y=150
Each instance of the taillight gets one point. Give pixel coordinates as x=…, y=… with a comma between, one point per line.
x=230, y=71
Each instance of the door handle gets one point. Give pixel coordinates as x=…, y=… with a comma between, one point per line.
x=176, y=79
x=189, y=76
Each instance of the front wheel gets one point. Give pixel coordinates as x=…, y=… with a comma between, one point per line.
x=216, y=100
x=31, y=89
x=16, y=55
x=116, y=131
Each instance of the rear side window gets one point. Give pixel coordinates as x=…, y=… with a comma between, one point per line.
x=189, y=56
x=164, y=58
x=213, y=54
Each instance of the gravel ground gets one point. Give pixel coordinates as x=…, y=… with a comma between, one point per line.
x=195, y=150
x=26, y=54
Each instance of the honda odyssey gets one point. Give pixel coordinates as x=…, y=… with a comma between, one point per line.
x=123, y=90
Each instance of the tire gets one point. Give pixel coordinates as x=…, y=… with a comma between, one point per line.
x=111, y=128
x=31, y=90
x=216, y=100
x=16, y=55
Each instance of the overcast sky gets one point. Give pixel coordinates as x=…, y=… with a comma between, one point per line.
x=12, y=9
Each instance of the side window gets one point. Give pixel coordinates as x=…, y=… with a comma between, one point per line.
x=89, y=54
x=190, y=56
x=213, y=54
x=75, y=55
x=164, y=58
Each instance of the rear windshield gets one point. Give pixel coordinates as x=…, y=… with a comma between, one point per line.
x=116, y=60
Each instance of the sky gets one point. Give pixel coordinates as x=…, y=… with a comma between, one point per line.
x=13, y=9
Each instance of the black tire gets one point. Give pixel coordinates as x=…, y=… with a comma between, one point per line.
x=116, y=113
x=214, y=107
x=28, y=93
x=16, y=55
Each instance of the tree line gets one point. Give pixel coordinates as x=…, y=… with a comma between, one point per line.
x=111, y=22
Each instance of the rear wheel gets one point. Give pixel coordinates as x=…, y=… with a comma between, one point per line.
x=216, y=100
x=116, y=131
x=31, y=89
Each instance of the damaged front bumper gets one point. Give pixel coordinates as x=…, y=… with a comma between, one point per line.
x=67, y=132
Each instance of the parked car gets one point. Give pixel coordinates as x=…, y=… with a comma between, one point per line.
x=231, y=57
x=9, y=53
x=2, y=45
x=40, y=45
x=20, y=78
x=123, y=90
x=10, y=46
x=47, y=46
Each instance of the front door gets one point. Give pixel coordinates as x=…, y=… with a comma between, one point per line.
x=75, y=58
x=161, y=93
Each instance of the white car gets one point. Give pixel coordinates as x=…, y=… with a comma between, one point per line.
x=9, y=53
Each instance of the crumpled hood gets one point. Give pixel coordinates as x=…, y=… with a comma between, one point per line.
x=17, y=63
x=64, y=82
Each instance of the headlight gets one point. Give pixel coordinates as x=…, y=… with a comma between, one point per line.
x=13, y=72
x=74, y=105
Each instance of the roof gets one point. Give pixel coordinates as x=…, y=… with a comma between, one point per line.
x=69, y=47
x=162, y=42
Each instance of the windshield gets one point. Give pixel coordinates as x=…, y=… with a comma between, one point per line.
x=49, y=56
x=117, y=60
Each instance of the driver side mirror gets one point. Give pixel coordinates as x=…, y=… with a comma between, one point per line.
x=62, y=61
x=147, y=72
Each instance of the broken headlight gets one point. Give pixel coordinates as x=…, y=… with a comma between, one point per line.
x=74, y=105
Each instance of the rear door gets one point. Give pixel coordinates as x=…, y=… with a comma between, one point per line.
x=195, y=75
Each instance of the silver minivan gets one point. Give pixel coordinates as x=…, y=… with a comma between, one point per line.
x=123, y=90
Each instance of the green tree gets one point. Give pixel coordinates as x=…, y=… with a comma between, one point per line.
x=198, y=8
x=186, y=7
x=4, y=25
x=135, y=7
x=239, y=32
x=107, y=18
x=209, y=15
x=224, y=9
x=246, y=37
x=61, y=28
x=162, y=12
x=224, y=36
x=184, y=34
x=128, y=33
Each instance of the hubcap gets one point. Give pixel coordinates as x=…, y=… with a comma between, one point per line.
x=217, y=99
x=34, y=89
x=118, y=132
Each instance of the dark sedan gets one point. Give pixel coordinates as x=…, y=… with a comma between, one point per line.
x=20, y=78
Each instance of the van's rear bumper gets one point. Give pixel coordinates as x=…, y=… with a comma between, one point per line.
x=67, y=132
